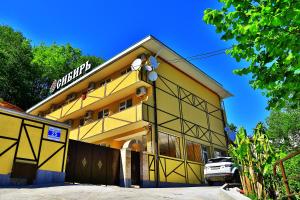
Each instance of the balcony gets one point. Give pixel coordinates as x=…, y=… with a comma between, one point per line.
x=117, y=125
x=100, y=97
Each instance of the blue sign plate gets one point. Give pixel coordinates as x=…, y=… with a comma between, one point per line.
x=54, y=133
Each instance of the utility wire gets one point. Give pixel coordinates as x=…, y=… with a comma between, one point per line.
x=201, y=56
x=198, y=56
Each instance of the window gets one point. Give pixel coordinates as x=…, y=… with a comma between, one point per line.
x=216, y=160
x=103, y=113
x=125, y=104
x=81, y=122
x=104, y=82
x=71, y=97
x=193, y=151
x=126, y=71
x=205, y=154
x=219, y=153
x=169, y=145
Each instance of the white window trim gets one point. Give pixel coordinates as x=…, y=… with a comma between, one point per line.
x=125, y=105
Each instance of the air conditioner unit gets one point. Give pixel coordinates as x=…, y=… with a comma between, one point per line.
x=71, y=97
x=141, y=91
x=88, y=115
x=69, y=122
x=92, y=86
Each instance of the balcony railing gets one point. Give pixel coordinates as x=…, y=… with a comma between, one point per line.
x=117, y=120
x=109, y=89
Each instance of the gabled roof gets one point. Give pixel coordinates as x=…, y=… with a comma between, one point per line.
x=166, y=53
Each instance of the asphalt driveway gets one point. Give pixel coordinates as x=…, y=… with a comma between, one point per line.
x=91, y=192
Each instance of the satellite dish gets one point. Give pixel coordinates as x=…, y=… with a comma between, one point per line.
x=148, y=68
x=153, y=62
x=136, y=64
x=152, y=76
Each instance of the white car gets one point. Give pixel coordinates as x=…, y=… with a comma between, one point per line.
x=221, y=169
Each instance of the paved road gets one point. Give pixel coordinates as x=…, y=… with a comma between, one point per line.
x=91, y=192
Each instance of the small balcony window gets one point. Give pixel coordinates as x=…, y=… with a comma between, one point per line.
x=71, y=97
x=125, y=104
x=103, y=113
x=205, y=153
x=126, y=71
x=219, y=153
x=104, y=82
x=81, y=122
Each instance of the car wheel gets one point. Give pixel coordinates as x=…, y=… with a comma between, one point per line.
x=210, y=183
x=236, y=177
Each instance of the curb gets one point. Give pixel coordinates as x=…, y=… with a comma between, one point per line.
x=231, y=194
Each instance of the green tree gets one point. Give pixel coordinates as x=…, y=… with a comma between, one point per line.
x=284, y=128
x=26, y=73
x=255, y=157
x=55, y=61
x=16, y=73
x=267, y=33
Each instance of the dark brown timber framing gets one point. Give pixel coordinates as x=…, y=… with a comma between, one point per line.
x=23, y=130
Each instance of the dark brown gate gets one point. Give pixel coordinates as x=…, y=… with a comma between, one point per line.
x=135, y=168
x=90, y=163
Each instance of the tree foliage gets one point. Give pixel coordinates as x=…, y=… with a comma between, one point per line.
x=55, y=61
x=267, y=33
x=284, y=128
x=16, y=73
x=26, y=73
x=255, y=157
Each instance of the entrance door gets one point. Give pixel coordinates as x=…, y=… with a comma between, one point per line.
x=135, y=168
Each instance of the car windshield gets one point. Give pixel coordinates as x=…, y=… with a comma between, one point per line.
x=216, y=160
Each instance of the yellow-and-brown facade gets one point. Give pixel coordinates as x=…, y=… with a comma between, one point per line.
x=33, y=150
x=175, y=123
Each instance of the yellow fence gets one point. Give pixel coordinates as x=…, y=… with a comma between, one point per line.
x=175, y=171
x=29, y=141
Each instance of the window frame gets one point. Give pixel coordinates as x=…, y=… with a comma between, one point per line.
x=206, y=151
x=194, y=151
x=177, y=151
x=104, y=114
x=126, y=104
x=105, y=82
x=125, y=71
x=81, y=121
x=222, y=153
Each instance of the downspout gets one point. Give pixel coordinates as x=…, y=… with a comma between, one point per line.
x=156, y=136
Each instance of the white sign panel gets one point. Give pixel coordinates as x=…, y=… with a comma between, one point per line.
x=54, y=133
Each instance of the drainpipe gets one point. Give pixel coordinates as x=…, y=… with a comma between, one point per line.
x=156, y=135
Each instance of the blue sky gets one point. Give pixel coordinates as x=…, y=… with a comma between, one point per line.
x=104, y=28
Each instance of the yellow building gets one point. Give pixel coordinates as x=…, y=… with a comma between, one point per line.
x=32, y=149
x=113, y=105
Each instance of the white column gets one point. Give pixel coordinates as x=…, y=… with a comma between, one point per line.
x=125, y=167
